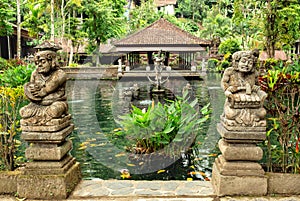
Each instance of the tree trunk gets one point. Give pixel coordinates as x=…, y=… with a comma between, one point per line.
x=18, y=29
x=71, y=53
x=63, y=20
x=271, y=33
x=52, y=21
x=98, y=54
x=8, y=47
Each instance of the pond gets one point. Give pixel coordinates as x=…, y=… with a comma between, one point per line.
x=96, y=105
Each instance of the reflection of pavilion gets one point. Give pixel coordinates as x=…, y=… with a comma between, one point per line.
x=179, y=46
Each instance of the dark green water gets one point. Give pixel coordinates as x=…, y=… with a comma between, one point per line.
x=95, y=106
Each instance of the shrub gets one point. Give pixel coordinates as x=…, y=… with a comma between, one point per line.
x=11, y=100
x=4, y=64
x=282, y=85
x=212, y=63
x=229, y=46
x=16, y=76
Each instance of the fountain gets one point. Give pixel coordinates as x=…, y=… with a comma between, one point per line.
x=158, y=68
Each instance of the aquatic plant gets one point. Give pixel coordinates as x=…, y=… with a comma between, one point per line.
x=152, y=129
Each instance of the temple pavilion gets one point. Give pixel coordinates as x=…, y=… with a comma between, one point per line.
x=179, y=47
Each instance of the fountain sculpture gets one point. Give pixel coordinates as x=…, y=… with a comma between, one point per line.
x=158, y=68
x=243, y=125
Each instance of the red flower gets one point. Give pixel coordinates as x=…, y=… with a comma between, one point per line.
x=297, y=146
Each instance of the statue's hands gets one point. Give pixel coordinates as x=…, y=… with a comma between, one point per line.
x=40, y=93
x=36, y=90
x=232, y=89
x=255, y=88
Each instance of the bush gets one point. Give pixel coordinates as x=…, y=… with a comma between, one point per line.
x=212, y=63
x=229, y=46
x=4, y=64
x=11, y=100
x=282, y=85
x=16, y=76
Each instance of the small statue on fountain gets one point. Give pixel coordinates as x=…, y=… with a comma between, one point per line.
x=244, y=99
x=46, y=89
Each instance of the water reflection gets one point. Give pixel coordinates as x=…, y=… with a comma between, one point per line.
x=95, y=105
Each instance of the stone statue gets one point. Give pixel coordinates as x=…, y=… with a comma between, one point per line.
x=244, y=99
x=46, y=89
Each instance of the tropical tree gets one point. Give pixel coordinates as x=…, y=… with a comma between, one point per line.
x=282, y=24
x=192, y=9
x=216, y=25
x=6, y=17
x=143, y=15
x=104, y=20
x=35, y=18
x=247, y=22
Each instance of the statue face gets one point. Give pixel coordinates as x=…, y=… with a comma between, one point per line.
x=43, y=64
x=245, y=64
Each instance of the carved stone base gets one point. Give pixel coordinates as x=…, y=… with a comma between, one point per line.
x=48, y=152
x=49, y=186
x=238, y=185
x=240, y=152
x=242, y=134
x=50, y=167
x=238, y=168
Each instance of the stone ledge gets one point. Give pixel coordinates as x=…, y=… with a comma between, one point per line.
x=8, y=184
x=283, y=183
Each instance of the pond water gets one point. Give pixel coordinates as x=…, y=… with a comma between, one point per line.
x=96, y=105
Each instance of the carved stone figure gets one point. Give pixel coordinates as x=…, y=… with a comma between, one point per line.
x=242, y=126
x=46, y=90
x=46, y=126
x=244, y=99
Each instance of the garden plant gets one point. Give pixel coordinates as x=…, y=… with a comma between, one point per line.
x=282, y=84
x=12, y=98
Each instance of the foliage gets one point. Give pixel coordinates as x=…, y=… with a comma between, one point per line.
x=282, y=22
x=184, y=23
x=143, y=15
x=192, y=9
x=215, y=25
x=229, y=46
x=104, y=20
x=35, y=19
x=158, y=126
x=4, y=64
x=212, y=63
x=282, y=84
x=10, y=102
x=6, y=17
x=247, y=22
x=16, y=75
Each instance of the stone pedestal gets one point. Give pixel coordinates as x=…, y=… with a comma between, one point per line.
x=52, y=172
x=236, y=171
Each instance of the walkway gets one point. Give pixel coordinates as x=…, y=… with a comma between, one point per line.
x=126, y=190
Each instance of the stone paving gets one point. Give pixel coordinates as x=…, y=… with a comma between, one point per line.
x=126, y=190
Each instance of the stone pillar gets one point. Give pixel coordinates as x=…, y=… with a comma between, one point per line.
x=242, y=126
x=51, y=173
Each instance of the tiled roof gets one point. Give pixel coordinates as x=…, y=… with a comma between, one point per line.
x=160, y=3
x=161, y=32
